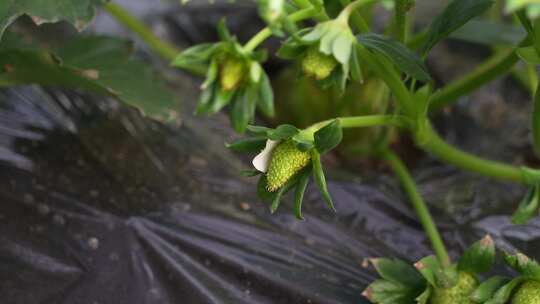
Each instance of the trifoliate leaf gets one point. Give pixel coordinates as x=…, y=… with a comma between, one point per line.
x=96, y=63
x=77, y=12
x=456, y=14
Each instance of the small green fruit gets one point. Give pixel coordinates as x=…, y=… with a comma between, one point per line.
x=317, y=64
x=458, y=294
x=286, y=161
x=232, y=73
x=528, y=293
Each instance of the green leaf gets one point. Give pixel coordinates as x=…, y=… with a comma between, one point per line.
x=266, y=96
x=259, y=130
x=239, y=113
x=528, y=267
x=205, y=99
x=535, y=122
x=428, y=267
x=328, y=137
x=302, y=141
x=77, y=12
x=480, y=257
x=299, y=193
x=320, y=180
x=211, y=74
x=221, y=99
x=282, y=132
x=249, y=173
x=528, y=208
x=356, y=70
x=386, y=292
x=446, y=277
x=502, y=296
x=397, y=271
x=487, y=289
x=403, y=58
x=277, y=200
x=528, y=54
x=455, y=15
x=249, y=144
x=100, y=64
x=196, y=58
x=291, y=49
x=490, y=33
x=222, y=31
x=275, y=197
x=423, y=298
x=262, y=191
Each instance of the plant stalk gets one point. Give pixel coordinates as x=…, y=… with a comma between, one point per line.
x=419, y=205
x=356, y=18
x=165, y=50
x=266, y=32
x=363, y=121
x=500, y=62
x=434, y=144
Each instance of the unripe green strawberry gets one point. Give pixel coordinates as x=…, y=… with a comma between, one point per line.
x=458, y=294
x=232, y=73
x=317, y=64
x=528, y=293
x=286, y=161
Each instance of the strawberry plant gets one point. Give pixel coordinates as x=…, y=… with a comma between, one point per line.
x=334, y=45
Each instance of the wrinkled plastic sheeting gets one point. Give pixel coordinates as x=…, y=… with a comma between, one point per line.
x=100, y=205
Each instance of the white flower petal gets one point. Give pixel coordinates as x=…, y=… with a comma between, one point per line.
x=262, y=160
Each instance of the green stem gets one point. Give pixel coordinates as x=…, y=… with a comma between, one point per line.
x=163, y=49
x=419, y=205
x=400, y=17
x=266, y=32
x=388, y=74
x=498, y=64
x=536, y=121
x=356, y=18
x=363, y=121
x=321, y=16
x=433, y=143
x=351, y=8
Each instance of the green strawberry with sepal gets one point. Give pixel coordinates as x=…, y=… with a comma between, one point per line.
x=234, y=79
x=288, y=157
